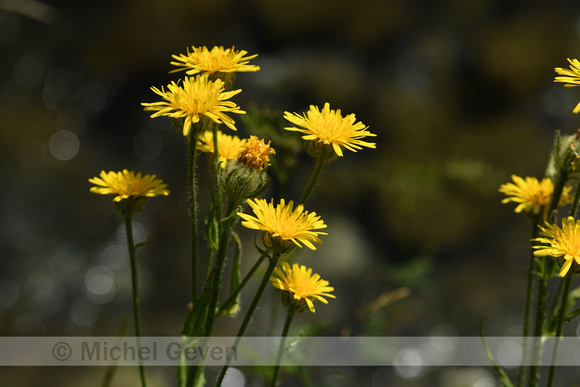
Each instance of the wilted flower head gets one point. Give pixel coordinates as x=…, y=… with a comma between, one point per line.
x=254, y=153
x=245, y=177
x=563, y=242
x=329, y=127
x=198, y=97
x=301, y=285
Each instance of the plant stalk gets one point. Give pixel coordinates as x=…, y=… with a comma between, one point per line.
x=134, y=282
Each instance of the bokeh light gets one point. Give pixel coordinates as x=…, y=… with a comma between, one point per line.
x=408, y=363
x=64, y=145
x=510, y=354
x=100, y=284
x=234, y=378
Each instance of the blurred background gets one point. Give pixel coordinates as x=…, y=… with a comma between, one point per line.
x=459, y=93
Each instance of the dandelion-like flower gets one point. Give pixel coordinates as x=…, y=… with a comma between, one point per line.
x=196, y=97
x=125, y=185
x=571, y=77
x=563, y=242
x=284, y=227
x=228, y=146
x=302, y=285
x=533, y=195
x=217, y=60
x=331, y=128
x=254, y=153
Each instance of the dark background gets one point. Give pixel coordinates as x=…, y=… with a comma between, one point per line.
x=459, y=93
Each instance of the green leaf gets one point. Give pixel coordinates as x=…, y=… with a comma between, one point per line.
x=570, y=316
x=212, y=225
x=141, y=244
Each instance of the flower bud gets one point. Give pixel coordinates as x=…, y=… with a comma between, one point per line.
x=246, y=177
x=241, y=182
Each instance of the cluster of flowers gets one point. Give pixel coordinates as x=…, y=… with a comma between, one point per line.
x=541, y=200
x=197, y=104
x=535, y=197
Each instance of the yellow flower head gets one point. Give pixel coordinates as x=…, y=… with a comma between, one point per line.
x=301, y=284
x=228, y=146
x=563, y=242
x=197, y=97
x=533, y=195
x=218, y=60
x=284, y=227
x=125, y=185
x=254, y=153
x=330, y=128
x=571, y=77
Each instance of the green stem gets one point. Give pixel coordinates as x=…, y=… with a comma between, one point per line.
x=552, y=315
x=529, y=299
x=223, y=238
x=134, y=281
x=216, y=154
x=538, y=330
x=235, y=293
x=193, y=214
x=320, y=162
x=560, y=326
x=250, y=312
x=282, y=346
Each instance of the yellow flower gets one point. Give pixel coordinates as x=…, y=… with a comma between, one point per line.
x=228, y=146
x=532, y=194
x=218, y=60
x=571, y=77
x=331, y=128
x=283, y=228
x=125, y=185
x=563, y=242
x=301, y=284
x=197, y=97
x=254, y=153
